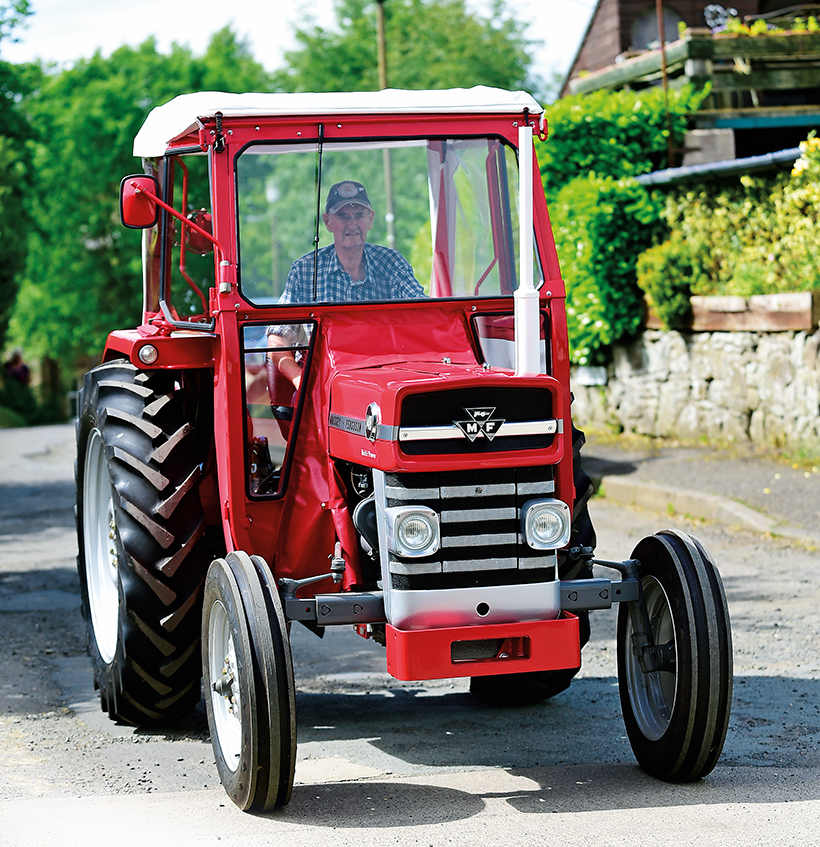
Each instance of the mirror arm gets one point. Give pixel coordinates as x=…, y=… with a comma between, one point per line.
x=172, y=211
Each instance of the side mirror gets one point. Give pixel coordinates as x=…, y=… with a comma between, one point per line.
x=138, y=210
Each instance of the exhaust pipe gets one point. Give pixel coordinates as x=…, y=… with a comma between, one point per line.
x=526, y=298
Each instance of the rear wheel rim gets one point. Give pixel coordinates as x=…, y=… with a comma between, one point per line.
x=101, y=556
x=226, y=698
x=653, y=694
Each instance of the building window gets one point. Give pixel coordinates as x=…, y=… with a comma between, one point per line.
x=644, y=32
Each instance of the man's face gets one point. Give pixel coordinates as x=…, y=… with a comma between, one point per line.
x=349, y=225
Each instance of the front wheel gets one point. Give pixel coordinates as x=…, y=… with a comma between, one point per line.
x=250, y=694
x=676, y=694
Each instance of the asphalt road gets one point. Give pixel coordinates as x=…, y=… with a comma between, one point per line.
x=383, y=762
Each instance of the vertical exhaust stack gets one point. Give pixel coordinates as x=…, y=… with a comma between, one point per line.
x=527, y=320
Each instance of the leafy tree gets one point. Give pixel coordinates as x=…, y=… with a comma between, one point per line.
x=15, y=81
x=83, y=276
x=429, y=44
x=603, y=219
x=753, y=235
x=12, y=14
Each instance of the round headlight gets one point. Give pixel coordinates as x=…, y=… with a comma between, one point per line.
x=412, y=530
x=545, y=527
x=546, y=524
x=416, y=532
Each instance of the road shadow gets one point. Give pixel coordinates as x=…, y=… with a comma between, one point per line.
x=29, y=508
x=377, y=805
x=570, y=760
x=598, y=467
x=774, y=723
x=541, y=791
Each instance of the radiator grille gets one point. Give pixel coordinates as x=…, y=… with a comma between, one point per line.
x=479, y=513
x=526, y=413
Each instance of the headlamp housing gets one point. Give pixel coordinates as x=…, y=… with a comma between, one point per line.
x=546, y=524
x=412, y=531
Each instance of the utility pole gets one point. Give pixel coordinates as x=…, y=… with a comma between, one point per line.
x=670, y=145
x=389, y=217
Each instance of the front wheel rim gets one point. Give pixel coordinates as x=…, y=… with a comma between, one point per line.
x=100, y=548
x=652, y=695
x=226, y=698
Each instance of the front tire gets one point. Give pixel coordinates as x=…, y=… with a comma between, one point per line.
x=250, y=694
x=140, y=531
x=677, y=714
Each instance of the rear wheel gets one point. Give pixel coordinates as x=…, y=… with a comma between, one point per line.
x=250, y=694
x=141, y=556
x=676, y=701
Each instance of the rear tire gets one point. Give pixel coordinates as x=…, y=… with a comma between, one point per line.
x=676, y=717
x=250, y=694
x=140, y=529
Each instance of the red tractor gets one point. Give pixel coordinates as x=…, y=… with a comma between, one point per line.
x=348, y=403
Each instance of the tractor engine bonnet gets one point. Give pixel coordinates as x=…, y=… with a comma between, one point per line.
x=430, y=415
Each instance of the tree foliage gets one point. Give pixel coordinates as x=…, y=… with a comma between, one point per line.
x=15, y=82
x=12, y=14
x=430, y=44
x=83, y=277
x=603, y=219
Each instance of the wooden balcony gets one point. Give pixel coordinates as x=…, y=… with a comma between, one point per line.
x=744, y=70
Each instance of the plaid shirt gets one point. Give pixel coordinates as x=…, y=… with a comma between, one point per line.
x=388, y=276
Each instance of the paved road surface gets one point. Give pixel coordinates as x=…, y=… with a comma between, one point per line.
x=383, y=762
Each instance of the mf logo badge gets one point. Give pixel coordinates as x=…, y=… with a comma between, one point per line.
x=481, y=422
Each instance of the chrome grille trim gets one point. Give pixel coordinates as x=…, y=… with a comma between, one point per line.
x=478, y=540
x=471, y=565
x=466, y=515
x=411, y=493
x=550, y=561
x=547, y=486
x=506, y=489
x=413, y=568
x=508, y=428
x=479, y=513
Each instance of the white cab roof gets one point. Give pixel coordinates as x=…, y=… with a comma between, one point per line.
x=179, y=116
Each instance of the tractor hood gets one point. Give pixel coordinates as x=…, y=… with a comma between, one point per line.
x=442, y=415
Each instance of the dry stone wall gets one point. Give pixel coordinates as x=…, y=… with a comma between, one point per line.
x=762, y=387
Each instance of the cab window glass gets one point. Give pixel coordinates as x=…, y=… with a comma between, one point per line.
x=189, y=257
x=275, y=360
x=496, y=340
x=439, y=218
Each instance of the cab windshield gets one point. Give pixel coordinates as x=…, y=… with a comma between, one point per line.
x=378, y=221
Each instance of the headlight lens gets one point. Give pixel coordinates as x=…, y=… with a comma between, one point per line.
x=412, y=531
x=546, y=524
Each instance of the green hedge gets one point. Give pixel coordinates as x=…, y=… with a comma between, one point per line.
x=602, y=219
x=601, y=225
x=613, y=133
x=754, y=236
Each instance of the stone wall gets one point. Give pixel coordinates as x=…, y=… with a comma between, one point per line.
x=760, y=387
